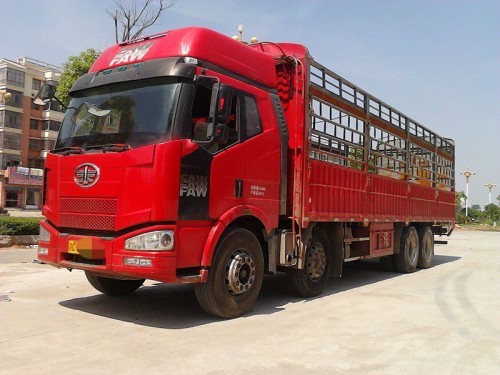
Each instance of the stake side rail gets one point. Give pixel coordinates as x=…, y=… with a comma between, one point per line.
x=352, y=128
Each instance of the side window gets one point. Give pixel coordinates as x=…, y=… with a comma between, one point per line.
x=200, y=113
x=244, y=120
x=234, y=122
x=252, y=117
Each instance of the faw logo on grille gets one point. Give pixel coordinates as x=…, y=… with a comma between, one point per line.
x=86, y=175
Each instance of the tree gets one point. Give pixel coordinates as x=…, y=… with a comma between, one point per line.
x=459, y=214
x=492, y=212
x=474, y=214
x=74, y=68
x=133, y=20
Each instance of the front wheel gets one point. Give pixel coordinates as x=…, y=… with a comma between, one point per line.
x=311, y=280
x=235, y=277
x=113, y=287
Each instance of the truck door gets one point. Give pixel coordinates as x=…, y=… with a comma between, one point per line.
x=248, y=166
x=244, y=169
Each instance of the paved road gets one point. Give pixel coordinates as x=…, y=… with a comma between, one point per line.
x=444, y=320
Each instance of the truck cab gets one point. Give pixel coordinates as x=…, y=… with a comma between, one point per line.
x=162, y=147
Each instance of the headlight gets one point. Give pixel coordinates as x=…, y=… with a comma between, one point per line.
x=44, y=235
x=152, y=241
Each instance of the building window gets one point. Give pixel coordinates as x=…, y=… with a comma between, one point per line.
x=15, y=77
x=54, y=106
x=10, y=141
x=33, y=124
x=51, y=125
x=35, y=163
x=35, y=144
x=9, y=160
x=11, y=119
x=49, y=144
x=16, y=100
x=36, y=84
x=12, y=198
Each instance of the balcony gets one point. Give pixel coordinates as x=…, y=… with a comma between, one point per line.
x=49, y=134
x=49, y=114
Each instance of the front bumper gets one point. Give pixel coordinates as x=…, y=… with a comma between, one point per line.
x=107, y=257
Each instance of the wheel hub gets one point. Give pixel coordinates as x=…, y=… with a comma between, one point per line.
x=316, y=262
x=413, y=247
x=240, y=273
x=427, y=247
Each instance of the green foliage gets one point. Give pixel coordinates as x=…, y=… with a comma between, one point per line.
x=474, y=214
x=491, y=213
x=74, y=68
x=460, y=218
x=459, y=215
x=12, y=226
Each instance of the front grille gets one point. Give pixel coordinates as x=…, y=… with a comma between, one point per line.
x=93, y=222
x=88, y=213
x=89, y=205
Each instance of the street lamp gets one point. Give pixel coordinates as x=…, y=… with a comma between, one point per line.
x=467, y=175
x=490, y=186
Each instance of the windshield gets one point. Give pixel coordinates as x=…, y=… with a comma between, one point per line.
x=133, y=113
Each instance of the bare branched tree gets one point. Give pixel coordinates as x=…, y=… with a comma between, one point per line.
x=132, y=20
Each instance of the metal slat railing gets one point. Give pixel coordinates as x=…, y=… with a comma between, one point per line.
x=430, y=157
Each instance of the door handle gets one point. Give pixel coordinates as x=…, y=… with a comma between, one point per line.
x=238, y=188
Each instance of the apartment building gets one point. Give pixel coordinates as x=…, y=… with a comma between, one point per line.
x=27, y=131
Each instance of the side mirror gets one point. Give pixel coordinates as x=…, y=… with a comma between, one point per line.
x=221, y=134
x=220, y=106
x=46, y=93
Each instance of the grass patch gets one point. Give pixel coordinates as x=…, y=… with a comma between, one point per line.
x=479, y=227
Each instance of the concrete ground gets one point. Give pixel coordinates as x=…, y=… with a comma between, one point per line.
x=444, y=320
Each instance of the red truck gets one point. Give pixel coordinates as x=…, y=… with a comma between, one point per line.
x=189, y=157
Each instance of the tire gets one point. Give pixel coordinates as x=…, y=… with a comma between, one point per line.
x=235, y=277
x=426, y=238
x=311, y=280
x=113, y=287
x=407, y=259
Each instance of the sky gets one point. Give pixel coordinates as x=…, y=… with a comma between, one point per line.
x=437, y=61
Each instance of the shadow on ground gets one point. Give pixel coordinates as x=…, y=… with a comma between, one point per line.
x=175, y=306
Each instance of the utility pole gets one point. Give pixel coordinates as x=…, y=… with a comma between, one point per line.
x=467, y=175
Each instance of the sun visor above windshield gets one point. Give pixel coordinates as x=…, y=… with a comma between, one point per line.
x=200, y=43
x=166, y=67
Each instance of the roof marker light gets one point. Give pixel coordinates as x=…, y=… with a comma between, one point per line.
x=191, y=60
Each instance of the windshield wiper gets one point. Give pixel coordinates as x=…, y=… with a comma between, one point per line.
x=68, y=150
x=110, y=147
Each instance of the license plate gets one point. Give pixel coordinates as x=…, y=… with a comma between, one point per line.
x=73, y=247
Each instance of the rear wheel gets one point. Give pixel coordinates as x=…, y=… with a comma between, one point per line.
x=311, y=280
x=426, y=238
x=407, y=259
x=235, y=277
x=113, y=287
